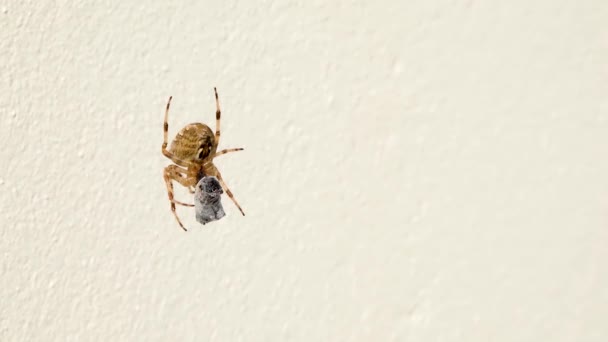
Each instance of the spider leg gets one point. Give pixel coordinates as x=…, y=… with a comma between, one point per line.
x=169, y=184
x=164, y=150
x=182, y=203
x=218, y=114
x=228, y=150
x=177, y=174
x=228, y=192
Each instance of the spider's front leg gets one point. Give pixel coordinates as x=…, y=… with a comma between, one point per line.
x=174, y=173
x=218, y=175
x=177, y=174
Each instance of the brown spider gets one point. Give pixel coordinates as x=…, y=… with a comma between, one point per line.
x=193, y=151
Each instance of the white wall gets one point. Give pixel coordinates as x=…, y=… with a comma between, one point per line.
x=414, y=170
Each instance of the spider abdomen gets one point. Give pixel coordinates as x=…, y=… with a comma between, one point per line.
x=194, y=142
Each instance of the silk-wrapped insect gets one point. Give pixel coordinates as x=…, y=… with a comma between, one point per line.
x=208, y=200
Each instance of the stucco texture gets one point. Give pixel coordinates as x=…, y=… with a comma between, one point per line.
x=413, y=171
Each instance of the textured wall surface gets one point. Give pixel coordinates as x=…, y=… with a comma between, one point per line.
x=413, y=171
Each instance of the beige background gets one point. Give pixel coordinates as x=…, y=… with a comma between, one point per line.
x=414, y=171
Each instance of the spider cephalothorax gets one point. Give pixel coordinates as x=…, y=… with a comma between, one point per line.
x=192, y=152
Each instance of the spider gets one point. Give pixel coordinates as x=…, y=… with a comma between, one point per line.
x=192, y=152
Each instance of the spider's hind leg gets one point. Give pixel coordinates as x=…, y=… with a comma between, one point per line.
x=227, y=150
x=218, y=115
x=164, y=149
